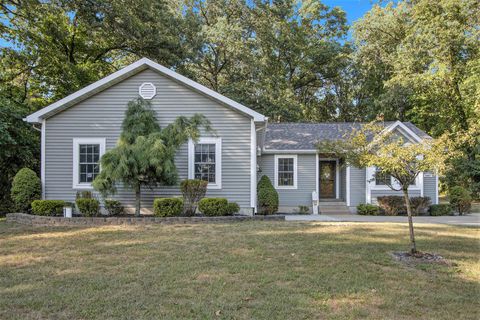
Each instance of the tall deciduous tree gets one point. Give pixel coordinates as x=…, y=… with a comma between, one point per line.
x=144, y=155
x=58, y=47
x=372, y=145
x=285, y=59
x=420, y=61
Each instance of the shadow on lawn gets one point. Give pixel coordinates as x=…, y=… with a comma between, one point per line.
x=255, y=270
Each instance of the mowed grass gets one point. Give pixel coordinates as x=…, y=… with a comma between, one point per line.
x=252, y=270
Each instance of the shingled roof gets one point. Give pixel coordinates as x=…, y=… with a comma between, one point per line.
x=305, y=136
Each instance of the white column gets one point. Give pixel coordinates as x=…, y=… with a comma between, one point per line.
x=347, y=185
x=253, y=166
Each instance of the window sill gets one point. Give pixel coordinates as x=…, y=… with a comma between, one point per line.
x=212, y=186
x=286, y=187
x=84, y=186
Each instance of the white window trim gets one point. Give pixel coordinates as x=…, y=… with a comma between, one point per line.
x=218, y=160
x=76, y=142
x=370, y=184
x=417, y=186
x=295, y=171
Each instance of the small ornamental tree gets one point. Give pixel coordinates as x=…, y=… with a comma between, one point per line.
x=144, y=155
x=371, y=145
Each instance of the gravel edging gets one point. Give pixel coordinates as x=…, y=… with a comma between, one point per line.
x=28, y=219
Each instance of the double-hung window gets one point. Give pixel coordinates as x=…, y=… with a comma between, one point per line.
x=382, y=178
x=86, y=161
x=285, y=171
x=205, y=157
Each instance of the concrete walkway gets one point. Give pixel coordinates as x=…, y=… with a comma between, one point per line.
x=468, y=220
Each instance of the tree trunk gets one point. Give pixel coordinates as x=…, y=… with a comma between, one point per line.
x=137, y=200
x=413, y=245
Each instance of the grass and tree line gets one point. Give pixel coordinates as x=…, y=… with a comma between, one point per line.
x=291, y=60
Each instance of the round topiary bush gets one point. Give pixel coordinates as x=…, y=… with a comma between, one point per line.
x=368, y=209
x=232, y=208
x=88, y=207
x=214, y=206
x=26, y=187
x=48, y=207
x=267, y=196
x=168, y=207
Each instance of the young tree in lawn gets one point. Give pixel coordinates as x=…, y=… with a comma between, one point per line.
x=144, y=155
x=372, y=145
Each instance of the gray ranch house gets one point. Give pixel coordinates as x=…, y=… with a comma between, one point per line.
x=78, y=129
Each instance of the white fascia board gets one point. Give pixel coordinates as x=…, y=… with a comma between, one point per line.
x=132, y=69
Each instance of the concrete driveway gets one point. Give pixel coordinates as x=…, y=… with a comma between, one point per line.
x=468, y=220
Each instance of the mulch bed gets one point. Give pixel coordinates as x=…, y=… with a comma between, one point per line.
x=411, y=260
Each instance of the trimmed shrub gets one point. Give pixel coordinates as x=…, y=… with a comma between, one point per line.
x=213, y=206
x=168, y=207
x=232, y=208
x=419, y=205
x=48, y=207
x=267, y=196
x=26, y=187
x=440, y=210
x=114, y=207
x=88, y=207
x=368, y=210
x=193, y=190
x=460, y=199
x=391, y=205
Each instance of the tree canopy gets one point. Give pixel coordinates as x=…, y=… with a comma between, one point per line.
x=291, y=60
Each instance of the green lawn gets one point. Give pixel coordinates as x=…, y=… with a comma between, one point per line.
x=253, y=270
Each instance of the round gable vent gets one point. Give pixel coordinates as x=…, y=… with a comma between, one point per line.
x=147, y=90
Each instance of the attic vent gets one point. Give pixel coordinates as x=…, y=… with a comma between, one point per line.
x=147, y=90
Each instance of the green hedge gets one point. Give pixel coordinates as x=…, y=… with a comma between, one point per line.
x=48, y=207
x=267, y=196
x=441, y=210
x=88, y=207
x=26, y=187
x=460, y=199
x=168, y=207
x=232, y=208
x=368, y=210
x=114, y=207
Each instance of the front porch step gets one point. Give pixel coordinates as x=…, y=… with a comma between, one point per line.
x=333, y=207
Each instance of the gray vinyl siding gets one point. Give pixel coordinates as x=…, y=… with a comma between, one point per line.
x=306, y=173
x=343, y=183
x=101, y=116
x=429, y=187
x=357, y=186
x=380, y=193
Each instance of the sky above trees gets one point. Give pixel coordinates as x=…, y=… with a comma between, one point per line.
x=354, y=9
